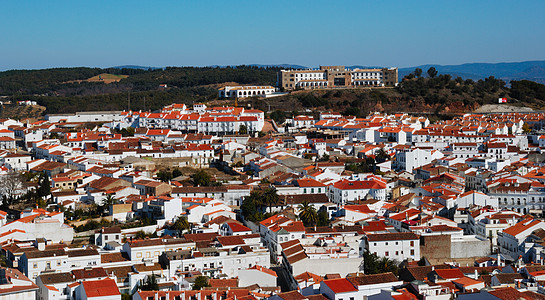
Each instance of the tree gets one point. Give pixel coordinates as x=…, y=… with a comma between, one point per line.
x=109, y=201
x=200, y=282
x=278, y=116
x=44, y=188
x=201, y=178
x=324, y=157
x=150, y=284
x=432, y=72
x=372, y=264
x=323, y=217
x=270, y=198
x=181, y=224
x=418, y=72
x=164, y=176
x=12, y=186
x=308, y=214
x=242, y=129
x=249, y=205
x=140, y=235
x=381, y=156
x=176, y=173
x=526, y=128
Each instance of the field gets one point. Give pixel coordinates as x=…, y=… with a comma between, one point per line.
x=106, y=78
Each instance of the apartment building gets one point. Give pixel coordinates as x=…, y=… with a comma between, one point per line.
x=337, y=76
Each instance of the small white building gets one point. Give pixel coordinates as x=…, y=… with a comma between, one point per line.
x=245, y=91
x=262, y=276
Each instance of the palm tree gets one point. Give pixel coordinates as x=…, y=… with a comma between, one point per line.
x=270, y=198
x=110, y=200
x=307, y=213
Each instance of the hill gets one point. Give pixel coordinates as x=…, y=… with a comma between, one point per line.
x=78, y=89
x=441, y=96
x=104, y=78
x=527, y=70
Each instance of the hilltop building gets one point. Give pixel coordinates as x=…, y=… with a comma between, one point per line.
x=245, y=91
x=335, y=77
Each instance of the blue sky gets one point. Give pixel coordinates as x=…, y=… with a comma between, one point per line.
x=41, y=34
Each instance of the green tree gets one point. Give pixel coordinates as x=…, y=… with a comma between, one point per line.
x=44, y=189
x=323, y=217
x=140, y=235
x=243, y=129
x=200, y=282
x=176, y=173
x=270, y=198
x=324, y=157
x=432, y=72
x=307, y=214
x=181, y=224
x=164, y=176
x=418, y=72
x=249, y=205
x=278, y=116
x=372, y=264
x=201, y=178
x=150, y=284
x=381, y=156
x=110, y=200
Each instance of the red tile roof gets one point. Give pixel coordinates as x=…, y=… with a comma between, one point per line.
x=341, y=285
x=100, y=288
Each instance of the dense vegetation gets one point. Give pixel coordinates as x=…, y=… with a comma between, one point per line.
x=64, y=90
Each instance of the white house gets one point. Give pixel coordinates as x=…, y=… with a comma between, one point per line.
x=397, y=246
x=345, y=191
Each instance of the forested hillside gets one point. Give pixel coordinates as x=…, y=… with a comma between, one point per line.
x=66, y=90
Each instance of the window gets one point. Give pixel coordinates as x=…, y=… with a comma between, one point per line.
x=412, y=251
x=387, y=253
x=35, y=265
x=412, y=243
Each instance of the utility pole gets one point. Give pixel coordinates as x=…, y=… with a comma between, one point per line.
x=129, y=100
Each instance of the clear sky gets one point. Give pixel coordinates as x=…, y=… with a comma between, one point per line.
x=40, y=34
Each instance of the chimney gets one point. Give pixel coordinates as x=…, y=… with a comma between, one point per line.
x=476, y=274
